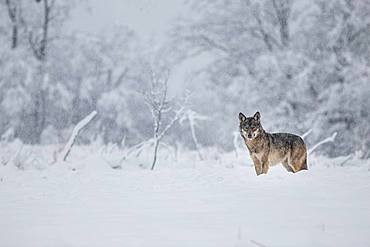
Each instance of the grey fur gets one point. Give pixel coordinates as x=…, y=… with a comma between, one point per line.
x=268, y=149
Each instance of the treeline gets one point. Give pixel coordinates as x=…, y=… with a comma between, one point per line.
x=303, y=64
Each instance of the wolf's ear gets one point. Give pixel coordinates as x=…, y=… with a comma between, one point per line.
x=257, y=116
x=242, y=118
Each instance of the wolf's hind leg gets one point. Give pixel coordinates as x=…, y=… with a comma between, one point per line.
x=302, y=164
x=298, y=160
x=287, y=166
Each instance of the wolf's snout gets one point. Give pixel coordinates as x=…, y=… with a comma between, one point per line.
x=249, y=135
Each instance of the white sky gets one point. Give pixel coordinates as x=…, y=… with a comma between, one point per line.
x=149, y=18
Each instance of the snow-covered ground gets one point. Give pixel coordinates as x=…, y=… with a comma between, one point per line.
x=206, y=204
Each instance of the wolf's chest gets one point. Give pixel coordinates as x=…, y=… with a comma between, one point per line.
x=258, y=155
x=273, y=157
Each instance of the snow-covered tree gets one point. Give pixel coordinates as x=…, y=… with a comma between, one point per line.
x=278, y=56
x=156, y=97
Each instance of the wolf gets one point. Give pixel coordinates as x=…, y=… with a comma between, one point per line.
x=268, y=149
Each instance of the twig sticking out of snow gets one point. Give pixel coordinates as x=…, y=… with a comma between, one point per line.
x=193, y=118
x=346, y=159
x=257, y=243
x=236, y=135
x=77, y=129
x=326, y=140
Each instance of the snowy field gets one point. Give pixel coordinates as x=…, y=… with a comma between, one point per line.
x=120, y=123
x=205, y=204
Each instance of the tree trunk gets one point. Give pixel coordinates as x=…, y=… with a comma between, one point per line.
x=35, y=131
x=45, y=29
x=282, y=10
x=15, y=36
x=284, y=31
x=12, y=11
x=156, y=145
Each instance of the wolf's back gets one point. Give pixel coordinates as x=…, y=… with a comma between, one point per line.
x=290, y=149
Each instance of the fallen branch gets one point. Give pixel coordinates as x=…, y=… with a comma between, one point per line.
x=306, y=134
x=77, y=129
x=326, y=140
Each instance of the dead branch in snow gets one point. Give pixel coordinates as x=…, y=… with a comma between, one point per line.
x=306, y=134
x=326, y=140
x=257, y=243
x=76, y=130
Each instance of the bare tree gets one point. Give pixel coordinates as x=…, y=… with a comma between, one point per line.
x=282, y=10
x=39, y=42
x=157, y=100
x=266, y=37
x=38, y=27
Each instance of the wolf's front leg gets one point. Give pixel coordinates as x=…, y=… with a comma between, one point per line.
x=257, y=166
x=265, y=165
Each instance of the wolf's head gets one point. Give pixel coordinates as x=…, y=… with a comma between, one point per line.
x=250, y=127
